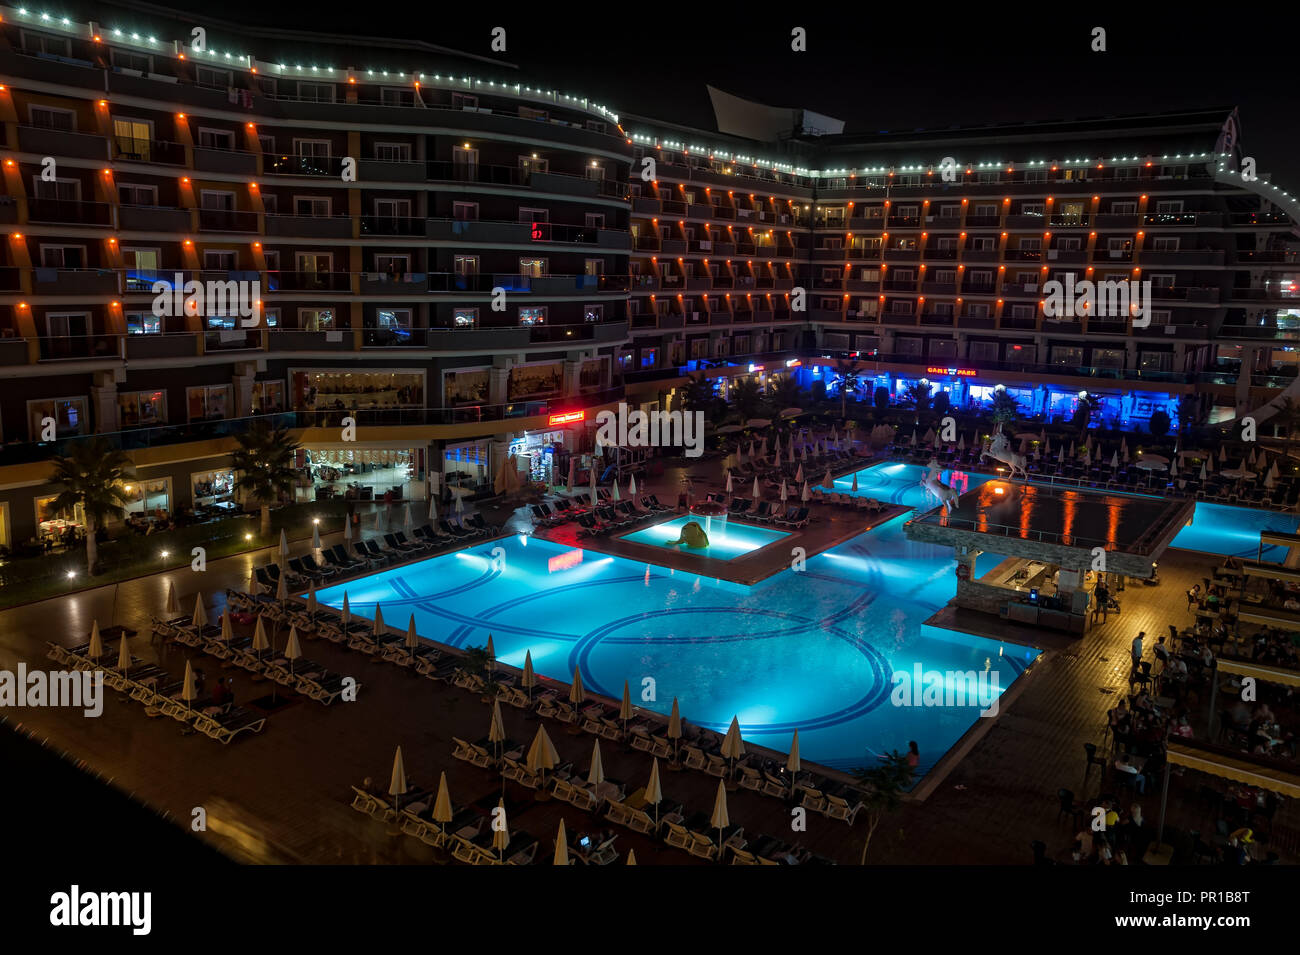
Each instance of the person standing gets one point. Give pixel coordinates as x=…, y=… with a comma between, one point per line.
x=1102, y=595
x=1136, y=649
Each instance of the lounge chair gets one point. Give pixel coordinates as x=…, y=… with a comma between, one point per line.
x=837, y=807
x=226, y=725
x=402, y=547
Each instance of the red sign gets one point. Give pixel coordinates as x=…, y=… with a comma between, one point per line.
x=959, y=372
x=539, y=231
x=567, y=417
x=570, y=558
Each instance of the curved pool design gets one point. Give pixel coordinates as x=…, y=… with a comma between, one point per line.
x=813, y=650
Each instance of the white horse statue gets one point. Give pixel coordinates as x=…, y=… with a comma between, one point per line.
x=999, y=449
x=933, y=482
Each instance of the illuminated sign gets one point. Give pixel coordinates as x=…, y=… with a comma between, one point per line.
x=793, y=363
x=958, y=372
x=567, y=417
x=539, y=231
x=570, y=558
x=755, y=367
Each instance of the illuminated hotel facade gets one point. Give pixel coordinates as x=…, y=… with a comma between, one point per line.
x=473, y=269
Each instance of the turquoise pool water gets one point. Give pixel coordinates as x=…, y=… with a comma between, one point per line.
x=812, y=650
x=901, y=484
x=727, y=539
x=1234, y=531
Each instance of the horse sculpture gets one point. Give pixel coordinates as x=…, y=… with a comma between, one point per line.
x=999, y=449
x=933, y=482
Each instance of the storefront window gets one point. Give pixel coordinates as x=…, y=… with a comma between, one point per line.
x=465, y=467
x=337, y=390
x=363, y=474
x=208, y=402
x=53, y=524
x=268, y=397
x=1063, y=355
x=212, y=486
x=532, y=316
x=151, y=499
x=1108, y=357
x=536, y=454
x=69, y=416
x=464, y=318
x=142, y=409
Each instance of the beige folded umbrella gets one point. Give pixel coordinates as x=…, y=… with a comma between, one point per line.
x=347, y=612
x=200, y=618
x=596, y=774
x=315, y=544
x=377, y=624
x=96, y=648
x=625, y=707
x=292, y=649
x=792, y=761
x=189, y=689
x=312, y=604
x=260, y=642
x=756, y=493
x=123, y=655
x=654, y=793
x=284, y=548
x=855, y=481
x=561, y=845
x=442, y=804
x=397, y=784
x=720, y=819
x=576, y=693
x=631, y=486
x=173, y=608
x=496, y=726
x=732, y=746
x=226, y=633
x=631, y=857
x=500, y=830
x=529, y=679
x=827, y=482
x=542, y=754
x=282, y=587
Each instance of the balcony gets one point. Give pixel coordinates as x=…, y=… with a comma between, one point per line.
x=61, y=142
x=311, y=227
x=381, y=170
x=979, y=255
x=317, y=166
x=309, y=282
x=227, y=220
x=1026, y=324
x=380, y=283
x=148, y=150
x=402, y=226
x=153, y=218
x=74, y=281
x=69, y=211
x=225, y=160
x=80, y=346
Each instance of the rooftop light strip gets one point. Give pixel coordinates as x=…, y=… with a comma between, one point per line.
x=305, y=71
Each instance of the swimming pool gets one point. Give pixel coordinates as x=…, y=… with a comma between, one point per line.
x=812, y=650
x=727, y=539
x=901, y=484
x=1234, y=531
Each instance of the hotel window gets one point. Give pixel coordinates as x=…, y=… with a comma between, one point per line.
x=981, y=244
x=624, y=360
x=868, y=307
x=1119, y=247
x=533, y=268
x=1030, y=245
x=316, y=319
x=271, y=316
x=464, y=211
x=596, y=126
x=208, y=402
x=392, y=264
x=740, y=344
x=950, y=212
x=980, y=278
x=1035, y=175
x=207, y=76
x=1160, y=316
x=312, y=148
x=1155, y=361
x=1066, y=355
x=977, y=310
x=141, y=409
x=464, y=101
x=131, y=194
x=47, y=518
x=648, y=356
x=905, y=212
x=316, y=92
x=393, y=96
x=594, y=220
x=826, y=304
x=901, y=306
x=904, y=275
x=216, y=139
x=982, y=351
x=64, y=190
x=943, y=347
x=835, y=216
x=1126, y=172
x=836, y=341
x=49, y=117
x=464, y=318
x=593, y=313
x=218, y=260
x=699, y=348
x=132, y=138
x=944, y=276
x=395, y=320
x=315, y=207
x=1169, y=207
x=465, y=264
x=597, y=267
x=527, y=112
x=988, y=175
x=986, y=210
x=1108, y=357
x=267, y=85
x=1165, y=243
x=143, y=323
x=528, y=214
x=270, y=205
x=1162, y=279
x=1032, y=209
x=535, y=315
x=63, y=256
x=720, y=348
x=942, y=309
x=1069, y=243
x=393, y=152
x=1123, y=208
x=43, y=43
x=1022, y=311
x=393, y=208
x=69, y=416
x=946, y=244
x=594, y=171
x=910, y=346
x=1173, y=172
x=908, y=180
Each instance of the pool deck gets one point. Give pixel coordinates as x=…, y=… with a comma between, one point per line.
x=997, y=798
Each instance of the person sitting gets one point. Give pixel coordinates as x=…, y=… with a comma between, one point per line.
x=1123, y=765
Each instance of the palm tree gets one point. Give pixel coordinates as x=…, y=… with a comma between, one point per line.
x=849, y=379
x=1083, y=412
x=747, y=397
x=1005, y=409
x=92, y=475
x=885, y=785
x=919, y=394
x=698, y=394
x=786, y=393
x=264, y=462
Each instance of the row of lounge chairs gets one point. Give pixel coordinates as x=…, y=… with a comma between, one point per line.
x=867, y=505
x=467, y=837
x=619, y=516
x=313, y=680
x=160, y=693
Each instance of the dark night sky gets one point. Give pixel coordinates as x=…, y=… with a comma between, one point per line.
x=923, y=67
